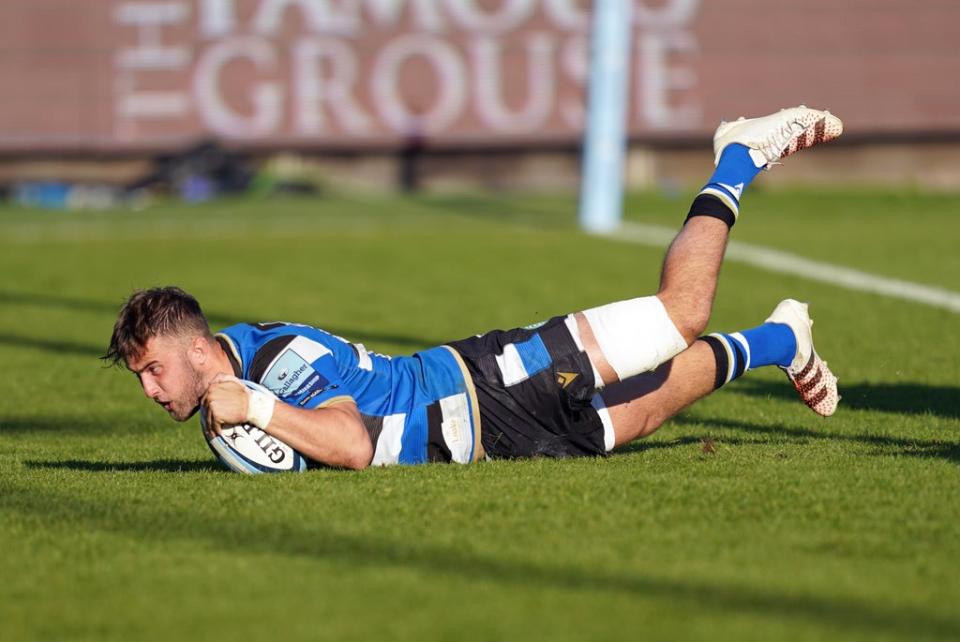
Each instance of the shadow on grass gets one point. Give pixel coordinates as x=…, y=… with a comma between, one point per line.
x=886, y=445
x=56, y=346
x=57, y=301
x=706, y=443
x=156, y=466
x=76, y=304
x=216, y=319
x=150, y=521
x=72, y=426
x=942, y=401
x=903, y=398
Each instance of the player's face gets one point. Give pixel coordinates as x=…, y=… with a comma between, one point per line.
x=168, y=376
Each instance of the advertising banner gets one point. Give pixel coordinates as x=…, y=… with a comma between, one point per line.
x=143, y=74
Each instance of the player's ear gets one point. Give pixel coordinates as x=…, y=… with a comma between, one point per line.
x=198, y=351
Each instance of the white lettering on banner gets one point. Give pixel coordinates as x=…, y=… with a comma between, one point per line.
x=150, y=54
x=319, y=16
x=315, y=90
x=445, y=64
x=657, y=79
x=426, y=14
x=217, y=18
x=152, y=104
x=470, y=17
x=342, y=68
x=575, y=64
x=149, y=18
x=266, y=96
x=488, y=62
x=571, y=15
x=672, y=13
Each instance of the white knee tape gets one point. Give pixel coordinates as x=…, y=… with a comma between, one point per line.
x=635, y=335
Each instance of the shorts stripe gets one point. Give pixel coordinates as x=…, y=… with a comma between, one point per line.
x=534, y=355
x=520, y=361
x=390, y=442
x=534, y=388
x=609, y=436
x=511, y=366
x=574, y=329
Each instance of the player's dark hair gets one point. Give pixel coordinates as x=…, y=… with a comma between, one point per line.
x=150, y=313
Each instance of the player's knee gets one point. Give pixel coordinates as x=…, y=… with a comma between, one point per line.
x=689, y=317
x=638, y=427
x=650, y=423
x=635, y=335
x=696, y=324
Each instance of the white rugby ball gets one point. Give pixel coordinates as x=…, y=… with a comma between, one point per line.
x=247, y=449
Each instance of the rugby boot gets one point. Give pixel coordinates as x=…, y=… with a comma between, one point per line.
x=807, y=372
x=774, y=137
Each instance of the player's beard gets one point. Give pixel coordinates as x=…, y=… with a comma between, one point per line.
x=192, y=396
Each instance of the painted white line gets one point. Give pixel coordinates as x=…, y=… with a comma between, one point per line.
x=786, y=263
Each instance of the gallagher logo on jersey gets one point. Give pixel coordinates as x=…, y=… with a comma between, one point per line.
x=290, y=375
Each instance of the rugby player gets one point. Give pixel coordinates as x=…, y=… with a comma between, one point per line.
x=570, y=386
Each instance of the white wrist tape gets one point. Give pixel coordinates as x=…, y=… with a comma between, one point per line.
x=259, y=408
x=635, y=335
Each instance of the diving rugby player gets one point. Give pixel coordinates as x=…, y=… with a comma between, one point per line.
x=566, y=387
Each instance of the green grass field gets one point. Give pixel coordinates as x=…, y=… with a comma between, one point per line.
x=117, y=524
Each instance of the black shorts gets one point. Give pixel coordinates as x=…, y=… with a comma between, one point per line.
x=534, y=388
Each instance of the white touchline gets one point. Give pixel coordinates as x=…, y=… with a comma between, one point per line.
x=786, y=263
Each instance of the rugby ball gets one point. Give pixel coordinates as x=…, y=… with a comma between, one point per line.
x=247, y=449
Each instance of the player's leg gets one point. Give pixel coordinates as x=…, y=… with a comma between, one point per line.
x=636, y=407
x=626, y=338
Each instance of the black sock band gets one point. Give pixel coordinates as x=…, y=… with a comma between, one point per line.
x=723, y=362
x=708, y=205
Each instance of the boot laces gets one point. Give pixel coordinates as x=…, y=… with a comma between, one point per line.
x=778, y=140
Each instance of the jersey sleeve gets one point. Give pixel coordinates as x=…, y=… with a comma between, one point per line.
x=300, y=372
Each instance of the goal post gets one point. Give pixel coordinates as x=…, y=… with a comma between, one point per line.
x=604, y=142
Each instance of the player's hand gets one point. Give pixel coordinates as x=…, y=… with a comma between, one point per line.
x=226, y=402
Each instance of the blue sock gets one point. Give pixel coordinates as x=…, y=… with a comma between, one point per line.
x=735, y=171
x=771, y=344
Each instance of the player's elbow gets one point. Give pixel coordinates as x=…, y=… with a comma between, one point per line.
x=352, y=448
x=360, y=455
x=360, y=448
x=352, y=456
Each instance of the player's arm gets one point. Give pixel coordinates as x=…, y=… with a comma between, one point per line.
x=333, y=435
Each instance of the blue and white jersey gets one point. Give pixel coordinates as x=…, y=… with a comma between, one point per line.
x=416, y=409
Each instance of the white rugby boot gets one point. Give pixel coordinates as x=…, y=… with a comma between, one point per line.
x=807, y=372
x=771, y=138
